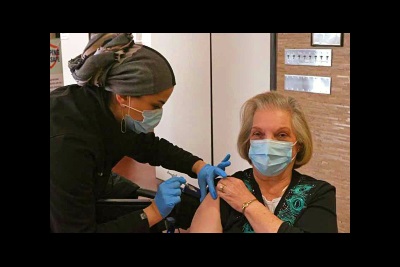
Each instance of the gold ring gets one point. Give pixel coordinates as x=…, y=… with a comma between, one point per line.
x=222, y=187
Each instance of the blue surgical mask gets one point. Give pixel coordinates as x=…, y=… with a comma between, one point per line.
x=270, y=157
x=151, y=118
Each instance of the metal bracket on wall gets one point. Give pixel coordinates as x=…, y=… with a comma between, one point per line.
x=309, y=57
x=312, y=84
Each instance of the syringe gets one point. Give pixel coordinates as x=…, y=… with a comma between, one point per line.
x=174, y=175
x=188, y=188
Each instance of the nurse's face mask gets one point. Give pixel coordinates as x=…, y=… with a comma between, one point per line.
x=151, y=118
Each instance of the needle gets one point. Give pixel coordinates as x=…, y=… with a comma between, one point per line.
x=174, y=175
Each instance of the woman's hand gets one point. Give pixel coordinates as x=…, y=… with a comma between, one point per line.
x=234, y=192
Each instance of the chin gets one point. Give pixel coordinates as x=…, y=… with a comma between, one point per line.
x=265, y=177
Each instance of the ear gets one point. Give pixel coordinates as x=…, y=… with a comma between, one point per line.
x=122, y=100
x=299, y=147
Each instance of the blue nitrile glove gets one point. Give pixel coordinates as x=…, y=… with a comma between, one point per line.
x=207, y=175
x=225, y=162
x=169, y=194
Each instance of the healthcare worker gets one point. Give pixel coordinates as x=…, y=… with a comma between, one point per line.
x=111, y=113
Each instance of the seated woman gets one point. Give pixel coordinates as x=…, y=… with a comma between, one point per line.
x=270, y=197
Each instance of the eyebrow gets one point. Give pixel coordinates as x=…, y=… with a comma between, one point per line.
x=256, y=128
x=277, y=130
x=287, y=129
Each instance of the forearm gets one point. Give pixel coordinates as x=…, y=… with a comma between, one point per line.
x=76, y=212
x=261, y=219
x=198, y=166
x=147, y=148
x=153, y=214
x=178, y=159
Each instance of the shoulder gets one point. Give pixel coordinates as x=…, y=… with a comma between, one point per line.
x=244, y=174
x=63, y=100
x=63, y=91
x=75, y=92
x=318, y=184
x=75, y=109
x=83, y=144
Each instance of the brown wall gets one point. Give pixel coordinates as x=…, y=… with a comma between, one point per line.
x=328, y=115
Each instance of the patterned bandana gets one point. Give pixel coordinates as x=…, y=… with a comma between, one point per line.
x=115, y=62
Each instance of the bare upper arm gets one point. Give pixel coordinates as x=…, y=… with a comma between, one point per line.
x=207, y=218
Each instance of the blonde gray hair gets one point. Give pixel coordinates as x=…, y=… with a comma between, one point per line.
x=275, y=100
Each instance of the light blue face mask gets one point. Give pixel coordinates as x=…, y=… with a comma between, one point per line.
x=151, y=118
x=270, y=157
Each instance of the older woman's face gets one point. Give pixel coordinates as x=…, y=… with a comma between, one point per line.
x=272, y=124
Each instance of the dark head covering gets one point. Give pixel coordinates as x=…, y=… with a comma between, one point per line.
x=115, y=62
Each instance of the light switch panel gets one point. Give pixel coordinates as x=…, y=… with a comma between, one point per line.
x=309, y=57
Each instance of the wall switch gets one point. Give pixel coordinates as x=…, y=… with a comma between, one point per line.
x=309, y=57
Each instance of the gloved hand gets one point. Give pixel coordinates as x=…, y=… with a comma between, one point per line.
x=225, y=162
x=207, y=175
x=168, y=195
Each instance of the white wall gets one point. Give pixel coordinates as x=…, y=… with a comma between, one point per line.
x=146, y=39
x=186, y=118
x=240, y=70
